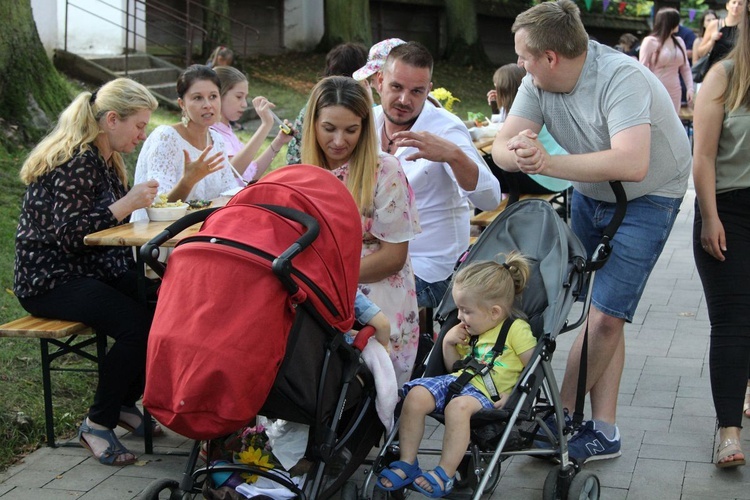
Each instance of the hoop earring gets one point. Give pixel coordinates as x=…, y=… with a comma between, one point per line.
x=185, y=119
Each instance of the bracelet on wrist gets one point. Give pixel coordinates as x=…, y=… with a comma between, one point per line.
x=275, y=151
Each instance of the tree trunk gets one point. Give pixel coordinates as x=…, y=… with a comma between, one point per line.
x=32, y=93
x=463, y=46
x=218, y=27
x=346, y=21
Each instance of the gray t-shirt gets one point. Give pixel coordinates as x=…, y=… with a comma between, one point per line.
x=613, y=93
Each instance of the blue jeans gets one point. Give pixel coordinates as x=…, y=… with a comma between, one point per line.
x=636, y=247
x=430, y=294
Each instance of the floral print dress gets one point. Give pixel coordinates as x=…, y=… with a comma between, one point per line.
x=394, y=219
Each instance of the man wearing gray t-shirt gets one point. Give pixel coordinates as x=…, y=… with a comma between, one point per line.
x=617, y=122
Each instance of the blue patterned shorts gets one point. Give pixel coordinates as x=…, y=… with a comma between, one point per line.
x=438, y=387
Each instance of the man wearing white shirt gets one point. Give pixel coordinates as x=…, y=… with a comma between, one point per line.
x=439, y=159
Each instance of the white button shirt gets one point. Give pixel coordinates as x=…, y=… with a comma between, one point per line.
x=444, y=210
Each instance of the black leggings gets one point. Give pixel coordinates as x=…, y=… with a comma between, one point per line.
x=725, y=285
x=115, y=310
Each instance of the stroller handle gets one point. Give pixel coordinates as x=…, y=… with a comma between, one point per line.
x=150, y=251
x=360, y=340
x=282, y=266
x=604, y=249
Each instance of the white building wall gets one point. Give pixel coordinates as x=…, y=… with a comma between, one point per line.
x=94, y=27
x=303, y=24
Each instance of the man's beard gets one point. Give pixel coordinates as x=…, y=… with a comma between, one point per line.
x=391, y=119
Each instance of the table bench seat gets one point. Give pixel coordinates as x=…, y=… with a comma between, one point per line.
x=65, y=337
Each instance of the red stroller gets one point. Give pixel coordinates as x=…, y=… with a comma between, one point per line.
x=249, y=321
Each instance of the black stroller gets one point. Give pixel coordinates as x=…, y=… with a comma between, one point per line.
x=560, y=275
x=250, y=321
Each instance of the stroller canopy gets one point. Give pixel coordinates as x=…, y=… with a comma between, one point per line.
x=224, y=316
x=332, y=262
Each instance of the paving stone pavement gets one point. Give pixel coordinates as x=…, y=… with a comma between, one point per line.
x=665, y=415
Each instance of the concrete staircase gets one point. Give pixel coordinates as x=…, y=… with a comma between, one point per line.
x=158, y=75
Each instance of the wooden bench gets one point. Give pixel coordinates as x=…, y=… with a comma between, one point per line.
x=484, y=219
x=57, y=338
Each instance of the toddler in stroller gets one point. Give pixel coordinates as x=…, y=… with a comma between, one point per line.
x=494, y=346
x=559, y=275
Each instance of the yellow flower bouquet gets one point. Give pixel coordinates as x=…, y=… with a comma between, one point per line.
x=445, y=98
x=255, y=451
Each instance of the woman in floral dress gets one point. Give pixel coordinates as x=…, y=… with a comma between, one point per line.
x=343, y=130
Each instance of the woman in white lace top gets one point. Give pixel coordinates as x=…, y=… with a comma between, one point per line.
x=188, y=159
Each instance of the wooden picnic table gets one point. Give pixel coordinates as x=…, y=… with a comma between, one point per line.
x=484, y=145
x=135, y=234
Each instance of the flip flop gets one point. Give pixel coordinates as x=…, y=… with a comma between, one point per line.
x=113, y=451
x=727, y=448
x=412, y=471
x=438, y=490
x=156, y=429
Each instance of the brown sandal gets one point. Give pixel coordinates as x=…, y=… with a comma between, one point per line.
x=728, y=448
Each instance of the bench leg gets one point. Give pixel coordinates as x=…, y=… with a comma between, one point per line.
x=49, y=417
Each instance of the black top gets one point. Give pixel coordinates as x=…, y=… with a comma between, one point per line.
x=723, y=45
x=58, y=210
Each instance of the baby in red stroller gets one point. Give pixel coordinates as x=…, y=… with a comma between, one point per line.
x=250, y=320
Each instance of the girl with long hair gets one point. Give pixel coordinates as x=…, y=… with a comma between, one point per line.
x=234, y=90
x=720, y=34
x=703, y=22
x=721, y=232
x=664, y=53
x=339, y=135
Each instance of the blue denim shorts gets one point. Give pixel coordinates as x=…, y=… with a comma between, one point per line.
x=636, y=247
x=430, y=294
x=438, y=387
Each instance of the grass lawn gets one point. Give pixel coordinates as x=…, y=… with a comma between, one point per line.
x=286, y=80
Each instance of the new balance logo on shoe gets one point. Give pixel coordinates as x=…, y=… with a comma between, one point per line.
x=591, y=444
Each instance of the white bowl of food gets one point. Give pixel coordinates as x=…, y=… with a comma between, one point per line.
x=172, y=211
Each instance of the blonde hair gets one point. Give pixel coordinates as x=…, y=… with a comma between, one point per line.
x=507, y=80
x=229, y=76
x=736, y=94
x=363, y=164
x=78, y=126
x=492, y=283
x=554, y=26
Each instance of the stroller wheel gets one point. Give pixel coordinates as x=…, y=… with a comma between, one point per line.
x=558, y=483
x=161, y=489
x=474, y=480
x=584, y=486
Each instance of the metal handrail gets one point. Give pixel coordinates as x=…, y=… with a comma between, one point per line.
x=173, y=17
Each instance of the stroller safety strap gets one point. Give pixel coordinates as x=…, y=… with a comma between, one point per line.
x=473, y=367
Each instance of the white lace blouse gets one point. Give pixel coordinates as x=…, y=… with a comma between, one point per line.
x=161, y=158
